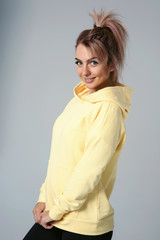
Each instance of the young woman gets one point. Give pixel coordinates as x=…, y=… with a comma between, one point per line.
x=87, y=140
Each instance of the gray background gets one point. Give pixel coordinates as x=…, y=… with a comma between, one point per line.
x=37, y=76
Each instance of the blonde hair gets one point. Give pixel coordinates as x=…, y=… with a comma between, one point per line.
x=107, y=38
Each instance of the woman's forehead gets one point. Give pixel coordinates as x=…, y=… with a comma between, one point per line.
x=87, y=53
x=84, y=50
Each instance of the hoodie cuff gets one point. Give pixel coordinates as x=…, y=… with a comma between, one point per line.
x=57, y=212
x=41, y=198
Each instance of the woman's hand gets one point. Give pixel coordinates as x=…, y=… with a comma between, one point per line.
x=41, y=216
x=45, y=220
x=38, y=210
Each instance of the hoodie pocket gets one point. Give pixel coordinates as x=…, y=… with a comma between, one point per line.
x=88, y=211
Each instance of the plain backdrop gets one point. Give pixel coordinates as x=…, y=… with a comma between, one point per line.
x=37, y=77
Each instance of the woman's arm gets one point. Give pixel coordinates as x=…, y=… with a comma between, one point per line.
x=101, y=142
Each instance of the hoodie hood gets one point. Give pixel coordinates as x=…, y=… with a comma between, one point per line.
x=120, y=95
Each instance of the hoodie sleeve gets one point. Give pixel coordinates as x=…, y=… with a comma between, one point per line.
x=42, y=197
x=42, y=193
x=100, y=144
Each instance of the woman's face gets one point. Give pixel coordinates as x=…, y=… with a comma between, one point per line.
x=91, y=69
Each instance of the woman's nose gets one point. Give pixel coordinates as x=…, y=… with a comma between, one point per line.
x=86, y=71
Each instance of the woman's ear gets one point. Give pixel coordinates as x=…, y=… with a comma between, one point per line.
x=111, y=68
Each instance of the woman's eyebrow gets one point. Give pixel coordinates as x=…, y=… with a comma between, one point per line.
x=88, y=59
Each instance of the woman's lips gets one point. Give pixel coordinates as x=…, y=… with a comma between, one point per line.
x=89, y=80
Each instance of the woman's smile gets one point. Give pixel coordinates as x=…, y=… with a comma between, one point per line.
x=89, y=80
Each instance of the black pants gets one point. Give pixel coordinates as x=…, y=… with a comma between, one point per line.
x=37, y=232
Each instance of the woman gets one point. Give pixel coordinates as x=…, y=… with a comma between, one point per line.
x=87, y=140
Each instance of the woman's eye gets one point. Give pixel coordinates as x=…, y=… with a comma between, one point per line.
x=94, y=63
x=78, y=63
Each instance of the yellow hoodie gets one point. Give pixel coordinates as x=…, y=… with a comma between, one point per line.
x=87, y=140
